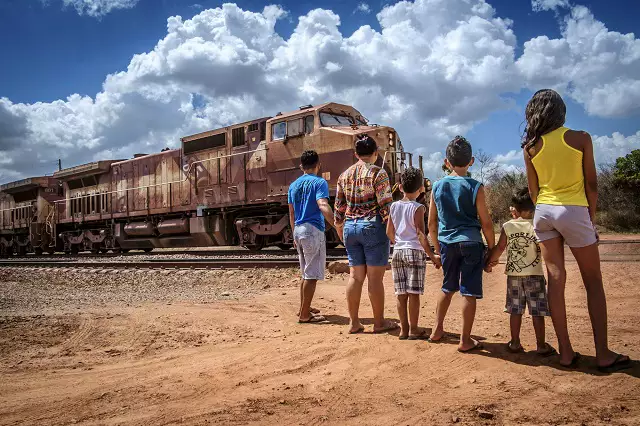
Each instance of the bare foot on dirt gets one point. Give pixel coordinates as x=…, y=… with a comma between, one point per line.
x=469, y=346
x=313, y=311
x=386, y=326
x=437, y=335
x=356, y=328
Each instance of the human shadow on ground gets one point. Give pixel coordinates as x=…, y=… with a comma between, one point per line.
x=342, y=320
x=586, y=364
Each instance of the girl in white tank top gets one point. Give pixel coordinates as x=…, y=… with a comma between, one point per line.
x=403, y=216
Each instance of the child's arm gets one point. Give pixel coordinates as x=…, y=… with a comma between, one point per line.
x=391, y=231
x=494, y=255
x=485, y=220
x=433, y=225
x=418, y=219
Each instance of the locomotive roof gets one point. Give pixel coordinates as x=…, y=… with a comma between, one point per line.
x=336, y=107
x=97, y=167
x=26, y=184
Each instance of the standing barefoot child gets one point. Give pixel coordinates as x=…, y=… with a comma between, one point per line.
x=406, y=231
x=525, y=277
x=457, y=213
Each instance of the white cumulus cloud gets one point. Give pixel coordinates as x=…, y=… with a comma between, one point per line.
x=598, y=68
x=96, y=8
x=363, y=8
x=433, y=70
x=539, y=5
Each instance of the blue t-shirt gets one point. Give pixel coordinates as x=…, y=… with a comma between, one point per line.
x=304, y=193
x=455, y=198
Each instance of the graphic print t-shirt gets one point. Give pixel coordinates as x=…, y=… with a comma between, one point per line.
x=523, y=250
x=304, y=193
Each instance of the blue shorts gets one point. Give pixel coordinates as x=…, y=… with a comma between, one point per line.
x=366, y=242
x=462, y=264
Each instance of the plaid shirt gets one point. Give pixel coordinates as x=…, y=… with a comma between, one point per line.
x=364, y=191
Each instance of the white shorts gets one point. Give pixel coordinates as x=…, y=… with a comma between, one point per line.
x=312, y=251
x=572, y=223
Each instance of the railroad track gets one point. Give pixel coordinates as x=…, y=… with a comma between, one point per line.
x=195, y=253
x=217, y=263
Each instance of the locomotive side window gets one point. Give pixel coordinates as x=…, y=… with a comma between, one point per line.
x=253, y=127
x=209, y=142
x=237, y=137
x=294, y=127
x=278, y=130
x=308, y=124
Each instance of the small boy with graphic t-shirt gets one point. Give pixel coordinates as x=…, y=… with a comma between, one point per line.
x=525, y=277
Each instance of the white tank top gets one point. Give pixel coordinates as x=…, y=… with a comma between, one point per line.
x=402, y=215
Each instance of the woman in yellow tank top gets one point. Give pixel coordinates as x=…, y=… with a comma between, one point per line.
x=562, y=180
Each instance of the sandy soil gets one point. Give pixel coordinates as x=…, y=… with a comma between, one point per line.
x=225, y=348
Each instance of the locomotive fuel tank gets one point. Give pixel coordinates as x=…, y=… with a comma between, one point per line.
x=139, y=229
x=173, y=226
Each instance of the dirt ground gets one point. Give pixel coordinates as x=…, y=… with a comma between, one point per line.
x=225, y=348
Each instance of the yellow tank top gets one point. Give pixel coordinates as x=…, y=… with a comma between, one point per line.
x=523, y=251
x=560, y=172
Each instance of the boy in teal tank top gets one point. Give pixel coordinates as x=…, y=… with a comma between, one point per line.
x=458, y=216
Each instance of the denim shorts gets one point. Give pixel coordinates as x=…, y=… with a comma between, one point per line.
x=366, y=242
x=462, y=264
x=312, y=251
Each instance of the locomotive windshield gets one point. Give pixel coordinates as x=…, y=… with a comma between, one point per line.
x=330, y=119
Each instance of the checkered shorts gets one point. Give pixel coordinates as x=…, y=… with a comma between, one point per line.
x=529, y=290
x=409, y=267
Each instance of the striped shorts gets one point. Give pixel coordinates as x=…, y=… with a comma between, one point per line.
x=409, y=267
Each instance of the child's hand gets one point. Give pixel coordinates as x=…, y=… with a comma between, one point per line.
x=437, y=261
x=488, y=268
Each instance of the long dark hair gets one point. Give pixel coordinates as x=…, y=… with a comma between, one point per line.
x=545, y=112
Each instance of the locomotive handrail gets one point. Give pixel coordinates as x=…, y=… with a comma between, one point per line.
x=187, y=174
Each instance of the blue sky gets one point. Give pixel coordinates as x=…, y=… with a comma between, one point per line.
x=53, y=50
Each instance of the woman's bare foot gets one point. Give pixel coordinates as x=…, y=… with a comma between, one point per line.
x=312, y=310
x=356, y=328
x=469, y=346
x=436, y=335
x=386, y=326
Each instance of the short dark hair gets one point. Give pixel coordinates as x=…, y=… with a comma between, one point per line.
x=411, y=180
x=309, y=159
x=459, y=152
x=366, y=145
x=521, y=200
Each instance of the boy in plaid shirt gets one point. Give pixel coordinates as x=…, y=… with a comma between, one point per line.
x=406, y=231
x=525, y=278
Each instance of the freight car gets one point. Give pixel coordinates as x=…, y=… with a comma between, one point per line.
x=222, y=187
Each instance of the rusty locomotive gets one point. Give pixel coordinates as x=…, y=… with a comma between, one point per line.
x=222, y=187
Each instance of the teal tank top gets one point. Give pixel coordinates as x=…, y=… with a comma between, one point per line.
x=455, y=199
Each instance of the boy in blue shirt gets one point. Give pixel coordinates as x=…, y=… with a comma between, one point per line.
x=308, y=208
x=457, y=215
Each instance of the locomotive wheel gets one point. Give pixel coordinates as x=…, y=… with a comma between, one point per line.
x=103, y=250
x=283, y=246
x=125, y=250
x=74, y=250
x=38, y=251
x=332, y=245
x=147, y=250
x=50, y=250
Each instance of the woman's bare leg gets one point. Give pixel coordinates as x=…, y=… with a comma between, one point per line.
x=553, y=254
x=357, y=274
x=375, y=276
x=588, y=259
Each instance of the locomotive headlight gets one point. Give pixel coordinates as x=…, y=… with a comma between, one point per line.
x=391, y=139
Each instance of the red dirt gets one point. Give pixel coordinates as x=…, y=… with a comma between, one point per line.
x=247, y=361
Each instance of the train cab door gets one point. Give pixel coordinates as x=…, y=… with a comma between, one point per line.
x=238, y=164
x=285, y=147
